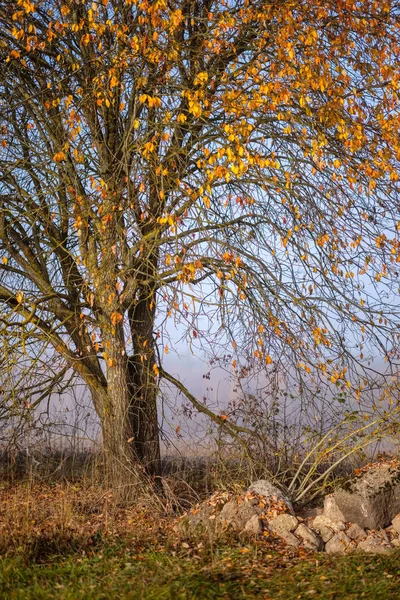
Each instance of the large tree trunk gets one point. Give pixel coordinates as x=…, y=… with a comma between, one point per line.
x=143, y=415
x=124, y=472
x=143, y=373
x=128, y=414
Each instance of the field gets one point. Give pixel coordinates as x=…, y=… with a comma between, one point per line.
x=71, y=542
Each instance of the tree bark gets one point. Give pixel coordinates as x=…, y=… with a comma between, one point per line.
x=143, y=368
x=144, y=417
x=143, y=376
x=128, y=415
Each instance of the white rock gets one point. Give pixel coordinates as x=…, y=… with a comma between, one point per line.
x=324, y=521
x=332, y=510
x=326, y=533
x=283, y=523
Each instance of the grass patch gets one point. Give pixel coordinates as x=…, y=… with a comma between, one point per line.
x=221, y=572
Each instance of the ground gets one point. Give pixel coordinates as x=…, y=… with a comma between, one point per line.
x=71, y=542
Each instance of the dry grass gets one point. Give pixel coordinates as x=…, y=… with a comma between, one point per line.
x=39, y=519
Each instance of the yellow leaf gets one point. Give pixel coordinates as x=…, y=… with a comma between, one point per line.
x=20, y=297
x=4, y=260
x=201, y=78
x=206, y=201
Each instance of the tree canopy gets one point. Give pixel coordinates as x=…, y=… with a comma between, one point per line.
x=231, y=166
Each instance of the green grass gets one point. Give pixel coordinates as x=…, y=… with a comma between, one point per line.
x=251, y=571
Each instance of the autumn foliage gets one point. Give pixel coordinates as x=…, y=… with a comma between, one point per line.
x=231, y=167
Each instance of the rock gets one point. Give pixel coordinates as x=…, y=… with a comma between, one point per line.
x=218, y=513
x=374, y=543
x=265, y=488
x=340, y=543
x=356, y=533
x=396, y=542
x=326, y=527
x=324, y=521
x=236, y=515
x=326, y=533
x=254, y=525
x=396, y=524
x=201, y=519
x=332, y=510
x=383, y=535
x=311, y=540
x=289, y=539
x=283, y=523
x=371, y=499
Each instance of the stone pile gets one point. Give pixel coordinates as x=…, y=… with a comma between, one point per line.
x=362, y=515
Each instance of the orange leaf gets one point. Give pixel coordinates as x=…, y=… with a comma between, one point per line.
x=59, y=156
x=116, y=317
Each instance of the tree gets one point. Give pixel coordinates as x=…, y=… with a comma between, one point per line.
x=229, y=165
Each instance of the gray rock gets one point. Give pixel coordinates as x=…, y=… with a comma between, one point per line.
x=396, y=524
x=356, y=533
x=371, y=499
x=283, y=523
x=236, y=515
x=289, y=539
x=340, y=543
x=270, y=491
x=332, y=510
x=254, y=525
x=311, y=540
x=375, y=543
x=202, y=519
